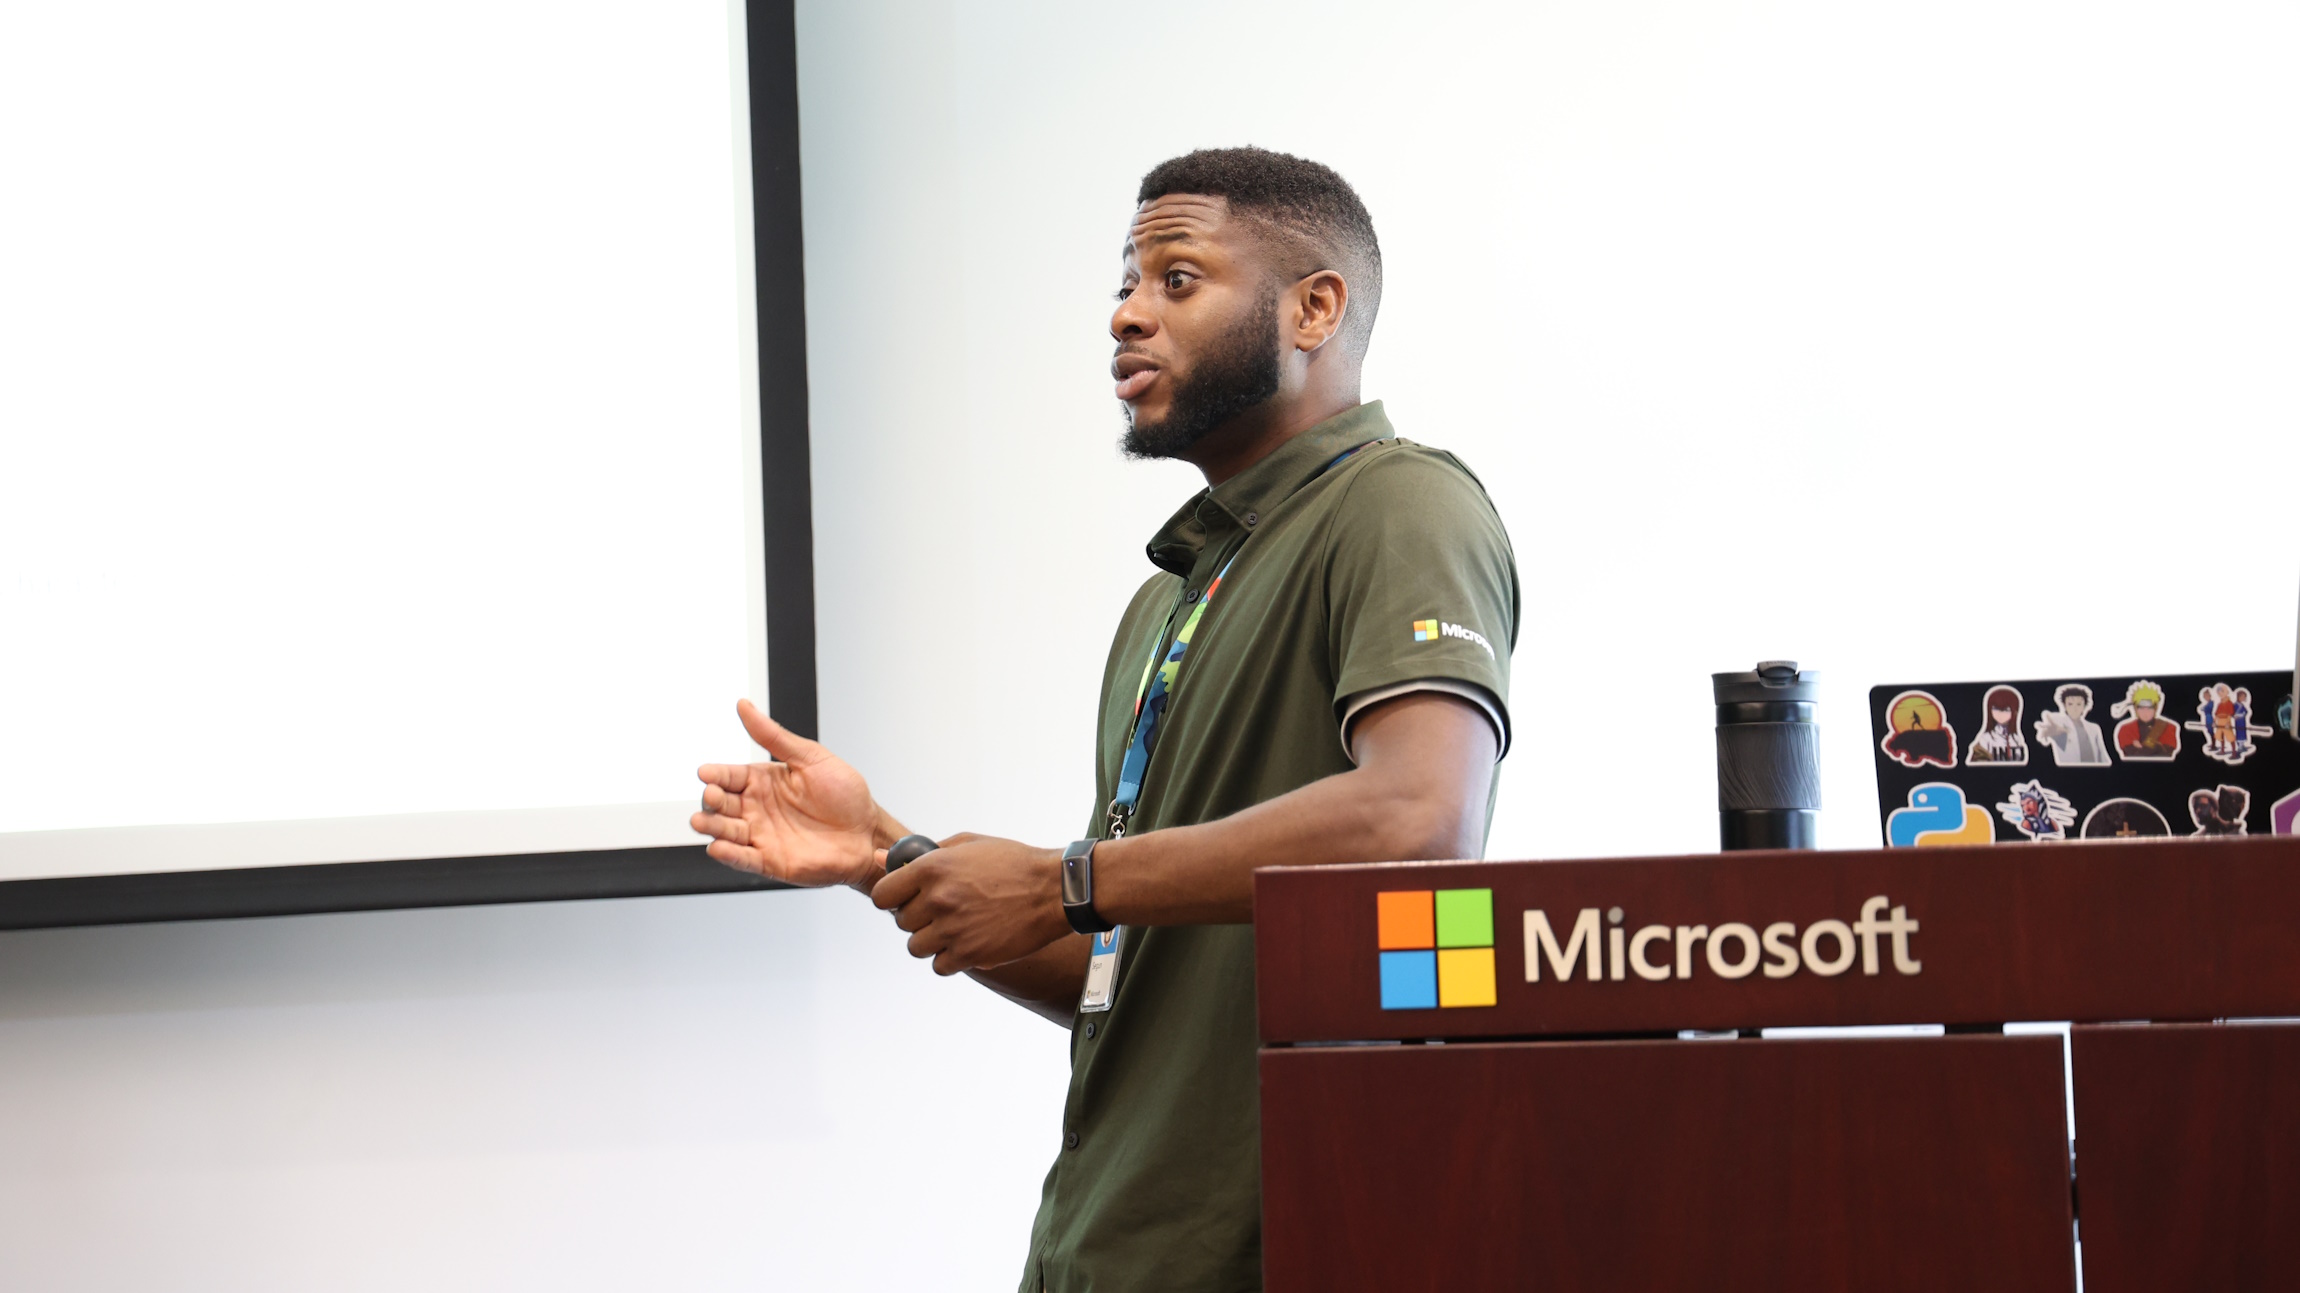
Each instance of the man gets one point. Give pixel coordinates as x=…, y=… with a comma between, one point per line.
x=2075, y=742
x=1311, y=677
x=2146, y=734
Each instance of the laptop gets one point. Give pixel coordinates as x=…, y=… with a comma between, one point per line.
x=2045, y=760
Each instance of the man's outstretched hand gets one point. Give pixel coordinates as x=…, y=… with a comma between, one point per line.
x=806, y=819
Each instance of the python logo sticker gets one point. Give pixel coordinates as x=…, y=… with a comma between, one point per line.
x=1425, y=630
x=1436, y=947
x=1938, y=815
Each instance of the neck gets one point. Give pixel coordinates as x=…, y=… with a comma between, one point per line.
x=1258, y=432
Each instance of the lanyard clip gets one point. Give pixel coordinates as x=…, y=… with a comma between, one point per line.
x=1120, y=812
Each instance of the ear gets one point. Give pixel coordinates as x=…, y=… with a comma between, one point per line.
x=1321, y=302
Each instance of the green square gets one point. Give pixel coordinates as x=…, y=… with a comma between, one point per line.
x=1465, y=918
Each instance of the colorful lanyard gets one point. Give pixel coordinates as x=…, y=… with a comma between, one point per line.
x=1152, y=696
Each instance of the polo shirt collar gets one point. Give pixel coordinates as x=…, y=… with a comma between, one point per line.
x=1239, y=503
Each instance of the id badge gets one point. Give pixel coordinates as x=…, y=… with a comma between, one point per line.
x=1101, y=970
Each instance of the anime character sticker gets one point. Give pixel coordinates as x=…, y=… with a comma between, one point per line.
x=1938, y=815
x=2224, y=715
x=2075, y=740
x=2145, y=734
x=2219, y=812
x=2000, y=740
x=2284, y=815
x=2124, y=819
x=2037, y=812
x=1921, y=733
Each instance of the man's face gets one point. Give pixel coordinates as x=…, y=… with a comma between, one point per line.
x=2074, y=706
x=2146, y=711
x=1196, y=324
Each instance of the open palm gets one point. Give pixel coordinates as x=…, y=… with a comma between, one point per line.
x=805, y=819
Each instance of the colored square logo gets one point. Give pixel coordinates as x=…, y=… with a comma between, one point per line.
x=1409, y=980
x=1436, y=947
x=1464, y=917
x=1406, y=920
x=1425, y=630
x=1465, y=976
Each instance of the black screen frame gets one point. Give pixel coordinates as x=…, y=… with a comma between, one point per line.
x=784, y=463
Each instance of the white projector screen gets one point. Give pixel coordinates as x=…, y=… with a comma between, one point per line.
x=379, y=434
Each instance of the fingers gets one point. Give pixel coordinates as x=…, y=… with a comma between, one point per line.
x=898, y=887
x=734, y=777
x=777, y=740
x=733, y=830
x=737, y=856
x=716, y=800
x=928, y=943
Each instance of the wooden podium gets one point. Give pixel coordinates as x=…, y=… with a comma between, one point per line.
x=1545, y=1127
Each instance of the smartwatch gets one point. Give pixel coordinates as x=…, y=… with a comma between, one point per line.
x=1078, y=889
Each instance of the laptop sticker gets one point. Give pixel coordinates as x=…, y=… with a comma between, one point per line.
x=2000, y=741
x=2037, y=812
x=2224, y=716
x=2221, y=811
x=2145, y=732
x=1938, y=815
x=1921, y=733
x=2284, y=814
x=2075, y=739
x=2125, y=819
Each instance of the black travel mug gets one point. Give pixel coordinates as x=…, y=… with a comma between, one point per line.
x=1768, y=758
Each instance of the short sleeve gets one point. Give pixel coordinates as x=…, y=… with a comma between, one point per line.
x=1422, y=583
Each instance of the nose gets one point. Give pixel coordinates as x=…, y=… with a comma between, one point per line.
x=1132, y=320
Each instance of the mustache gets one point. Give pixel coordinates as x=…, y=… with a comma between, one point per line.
x=1131, y=348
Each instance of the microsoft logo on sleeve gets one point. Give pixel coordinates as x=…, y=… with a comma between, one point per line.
x=1437, y=948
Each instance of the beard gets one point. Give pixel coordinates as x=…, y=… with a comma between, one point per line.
x=1239, y=371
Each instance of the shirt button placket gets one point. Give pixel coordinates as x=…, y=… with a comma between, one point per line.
x=1070, y=1140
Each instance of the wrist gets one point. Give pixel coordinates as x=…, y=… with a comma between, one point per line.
x=1055, y=922
x=1084, y=899
x=884, y=829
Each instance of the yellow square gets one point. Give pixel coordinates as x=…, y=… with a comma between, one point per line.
x=1465, y=976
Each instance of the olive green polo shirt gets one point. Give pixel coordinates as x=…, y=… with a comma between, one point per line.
x=1350, y=579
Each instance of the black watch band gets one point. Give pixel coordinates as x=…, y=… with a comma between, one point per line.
x=1078, y=889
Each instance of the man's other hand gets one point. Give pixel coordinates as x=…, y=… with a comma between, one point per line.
x=806, y=819
x=977, y=902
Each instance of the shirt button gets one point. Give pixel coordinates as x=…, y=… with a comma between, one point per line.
x=1090, y=1031
x=1251, y=518
x=1070, y=1140
x=1190, y=595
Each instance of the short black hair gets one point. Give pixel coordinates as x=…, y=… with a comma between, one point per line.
x=1307, y=204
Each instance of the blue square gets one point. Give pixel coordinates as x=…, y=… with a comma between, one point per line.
x=1409, y=980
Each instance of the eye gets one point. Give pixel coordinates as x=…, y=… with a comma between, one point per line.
x=1123, y=292
x=1176, y=280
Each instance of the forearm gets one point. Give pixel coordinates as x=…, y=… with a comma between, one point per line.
x=1047, y=982
x=1203, y=875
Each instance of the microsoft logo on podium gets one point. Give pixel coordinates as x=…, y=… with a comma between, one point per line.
x=1437, y=947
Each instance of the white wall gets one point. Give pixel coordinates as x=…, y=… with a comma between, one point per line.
x=1914, y=251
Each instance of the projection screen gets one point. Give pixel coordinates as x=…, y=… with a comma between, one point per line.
x=383, y=475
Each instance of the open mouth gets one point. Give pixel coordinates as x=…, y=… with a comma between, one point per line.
x=1134, y=374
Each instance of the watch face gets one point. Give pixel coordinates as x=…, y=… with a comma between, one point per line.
x=1077, y=880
